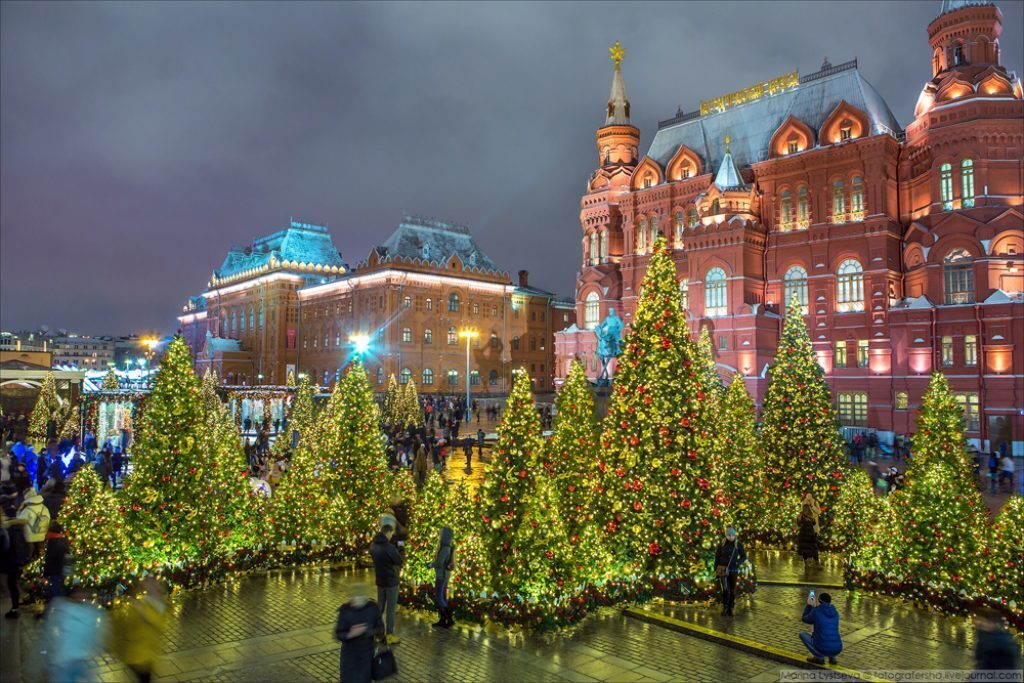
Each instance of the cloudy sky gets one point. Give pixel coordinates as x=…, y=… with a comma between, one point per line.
x=139, y=140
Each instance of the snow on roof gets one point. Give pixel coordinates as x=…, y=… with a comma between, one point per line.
x=434, y=242
x=299, y=242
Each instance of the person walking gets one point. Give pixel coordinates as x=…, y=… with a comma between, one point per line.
x=825, y=640
x=728, y=559
x=993, y=470
x=80, y=629
x=419, y=467
x=35, y=518
x=116, y=465
x=994, y=648
x=1006, y=469
x=57, y=550
x=442, y=564
x=359, y=623
x=387, y=565
x=807, y=535
x=15, y=556
x=137, y=637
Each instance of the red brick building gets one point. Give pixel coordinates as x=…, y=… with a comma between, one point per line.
x=905, y=248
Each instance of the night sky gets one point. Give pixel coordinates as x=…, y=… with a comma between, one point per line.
x=138, y=141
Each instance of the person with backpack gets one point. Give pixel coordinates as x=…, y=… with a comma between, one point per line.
x=15, y=557
x=443, y=563
x=35, y=518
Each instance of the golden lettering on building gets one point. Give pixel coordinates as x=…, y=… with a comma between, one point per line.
x=772, y=87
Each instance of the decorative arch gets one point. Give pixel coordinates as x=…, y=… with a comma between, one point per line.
x=684, y=164
x=792, y=130
x=844, y=116
x=953, y=89
x=1006, y=239
x=647, y=174
x=995, y=84
x=914, y=256
x=950, y=243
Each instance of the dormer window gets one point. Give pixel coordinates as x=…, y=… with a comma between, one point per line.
x=794, y=147
x=684, y=173
x=648, y=180
x=845, y=131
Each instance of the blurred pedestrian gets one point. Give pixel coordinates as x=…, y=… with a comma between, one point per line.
x=359, y=623
x=442, y=564
x=419, y=468
x=57, y=550
x=994, y=648
x=807, y=535
x=137, y=636
x=79, y=630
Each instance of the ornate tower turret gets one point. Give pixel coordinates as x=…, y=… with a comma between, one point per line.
x=618, y=139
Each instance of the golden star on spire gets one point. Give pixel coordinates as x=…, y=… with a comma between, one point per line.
x=618, y=53
x=727, y=141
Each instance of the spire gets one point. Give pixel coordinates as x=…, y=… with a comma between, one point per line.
x=728, y=177
x=618, y=103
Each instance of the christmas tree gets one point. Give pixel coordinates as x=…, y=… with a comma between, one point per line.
x=93, y=521
x=859, y=515
x=800, y=435
x=508, y=479
x=937, y=531
x=391, y=409
x=708, y=368
x=657, y=502
x=110, y=382
x=301, y=422
x=411, y=415
x=1005, y=564
x=739, y=461
x=48, y=410
x=571, y=456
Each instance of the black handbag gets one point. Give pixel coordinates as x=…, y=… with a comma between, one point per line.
x=384, y=663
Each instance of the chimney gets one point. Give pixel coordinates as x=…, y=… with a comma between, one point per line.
x=524, y=278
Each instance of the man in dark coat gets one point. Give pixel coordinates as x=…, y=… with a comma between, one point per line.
x=825, y=640
x=994, y=648
x=358, y=624
x=387, y=564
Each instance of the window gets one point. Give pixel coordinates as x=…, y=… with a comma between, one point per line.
x=453, y=303
x=427, y=377
x=474, y=378
x=453, y=336
x=714, y=293
x=793, y=146
x=494, y=311
x=969, y=402
x=428, y=336
x=850, y=286
x=407, y=302
x=406, y=335
x=654, y=231
x=592, y=311
x=476, y=309
x=684, y=173
x=900, y=402
x=838, y=202
x=853, y=409
x=679, y=229
x=723, y=343
x=515, y=343
x=803, y=210
x=603, y=251
x=796, y=286
x=947, y=352
x=684, y=293
x=786, y=211
x=840, y=355
x=958, y=54
x=495, y=342
x=492, y=377
x=648, y=180
x=592, y=258
x=958, y=276
x=453, y=378
x=430, y=305
x=715, y=207
x=862, y=353
x=967, y=183
x=641, y=236
x=404, y=376
x=845, y=130
x=857, y=199
x=533, y=343
x=946, y=186
x=970, y=350
x=380, y=375
x=691, y=218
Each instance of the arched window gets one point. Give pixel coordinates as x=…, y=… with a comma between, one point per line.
x=592, y=311
x=946, y=186
x=407, y=302
x=803, y=209
x=453, y=378
x=857, y=199
x=786, y=211
x=593, y=249
x=428, y=336
x=796, y=286
x=406, y=335
x=380, y=375
x=474, y=378
x=492, y=377
x=515, y=343
x=654, y=231
x=684, y=293
x=715, y=207
x=715, y=299
x=692, y=218
x=958, y=277
x=678, y=241
x=967, y=183
x=641, y=236
x=958, y=54
x=604, y=246
x=430, y=305
x=453, y=336
x=453, y=303
x=850, y=286
x=838, y=202
x=427, y=377
x=404, y=376
x=261, y=316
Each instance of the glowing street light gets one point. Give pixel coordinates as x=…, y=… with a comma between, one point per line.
x=469, y=334
x=360, y=344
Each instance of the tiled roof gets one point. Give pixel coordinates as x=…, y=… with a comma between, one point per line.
x=434, y=242
x=299, y=242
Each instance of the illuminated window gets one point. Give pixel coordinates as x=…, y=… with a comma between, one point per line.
x=970, y=350
x=715, y=208
x=604, y=246
x=430, y=305
x=715, y=303
x=794, y=146
x=407, y=302
x=803, y=211
x=453, y=378
x=692, y=218
x=958, y=276
x=453, y=336
x=901, y=401
x=684, y=173
x=474, y=378
x=380, y=375
x=850, y=286
x=476, y=309
x=857, y=199
x=946, y=186
x=796, y=286
x=592, y=311
x=654, y=231
x=428, y=336
x=648, y=180
x=684, y=293
x=947, y=352
x=862, y=353
x=845, y=131
x=593, y=249
x=969, y=403
x=958, y=54
x=453, y=303
x=838, y=202
x=679, y=229
x=428, y=377
x=492, y=378
x=404, y=376
x=967, y=183
x=641, y=236
x=406, y=335
x=853, y=409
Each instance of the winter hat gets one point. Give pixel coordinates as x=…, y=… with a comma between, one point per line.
x=730, y=532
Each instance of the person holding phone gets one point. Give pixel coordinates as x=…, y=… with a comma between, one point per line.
x=824, y=641
x=359, y=623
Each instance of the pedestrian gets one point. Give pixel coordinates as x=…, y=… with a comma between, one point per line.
x=825, y=640
x=33, y=515
x=443, y=563
x=137, y=636
x=57, y=550
x=993, y=470
x=105, y=465
x=994, y=648
x=807, y=535
x=116, y=465
x=419, y=468
x=467, y=450
x=387, y=565
x=80, y=629
x=1006, y=472
x=16, y=555
x=359, y=623
x=728, y=559
x=53, y=497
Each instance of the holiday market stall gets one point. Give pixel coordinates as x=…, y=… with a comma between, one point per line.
x=257, y=404
x=111, y=415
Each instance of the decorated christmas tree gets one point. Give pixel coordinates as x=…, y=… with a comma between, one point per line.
x=571, y=456
x=708, y=368
x=937, y=532
x=93, y=520
x=48, y=410
x=859, y=515
x=739, y=460
x=800, y=434
x=509, y=479
x=411, y=415
x=657, y=504
x=301, y=422
x=110, y=382
x=1005, y=564
x=391, y=408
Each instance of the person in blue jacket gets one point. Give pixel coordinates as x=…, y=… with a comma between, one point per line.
x=824, y=641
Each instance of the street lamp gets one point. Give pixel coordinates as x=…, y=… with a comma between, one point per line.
x=150, y=343
x=360, y=344
x=469, y=334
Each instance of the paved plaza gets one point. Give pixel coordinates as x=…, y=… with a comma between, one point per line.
x=279, y=627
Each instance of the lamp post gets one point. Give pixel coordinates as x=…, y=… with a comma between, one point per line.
x=360, y=344
x=150, y=343
x=470, y=334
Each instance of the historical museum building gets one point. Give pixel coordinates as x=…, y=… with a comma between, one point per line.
x=288, y=303
x=903, y=247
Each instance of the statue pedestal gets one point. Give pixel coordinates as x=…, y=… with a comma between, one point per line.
x=602, y=397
